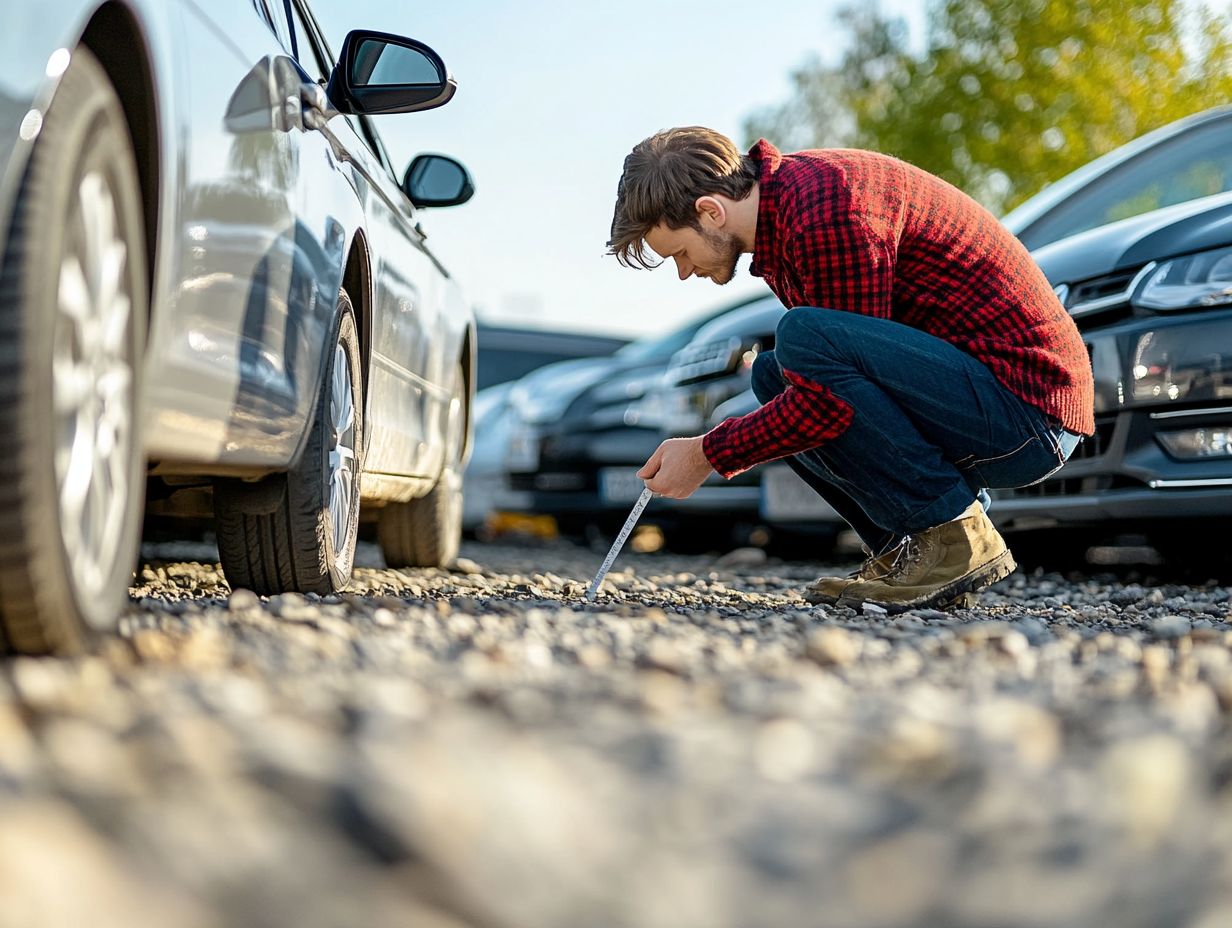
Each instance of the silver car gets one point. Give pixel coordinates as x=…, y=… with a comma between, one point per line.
x=216, y=301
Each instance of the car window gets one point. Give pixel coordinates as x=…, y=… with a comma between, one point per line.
x=373, y=138
x=277, y=24
x=315, y=57
x=1193, y=164
x=306, y=51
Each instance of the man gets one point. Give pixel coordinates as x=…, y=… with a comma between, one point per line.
x=923, y=358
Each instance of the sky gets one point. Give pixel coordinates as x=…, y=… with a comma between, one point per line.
x=551, y=97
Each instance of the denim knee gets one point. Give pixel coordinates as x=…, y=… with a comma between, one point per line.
x=807, y=336
x=767, y=377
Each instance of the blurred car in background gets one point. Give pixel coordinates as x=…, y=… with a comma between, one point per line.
x=208, y=266
x=583, y=430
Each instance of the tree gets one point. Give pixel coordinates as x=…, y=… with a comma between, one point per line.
x=1008, y=95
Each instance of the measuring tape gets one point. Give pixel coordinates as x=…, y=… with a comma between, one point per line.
x=618, y=543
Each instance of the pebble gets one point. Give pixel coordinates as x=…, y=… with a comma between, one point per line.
x=1170, y=626
x=833, y=646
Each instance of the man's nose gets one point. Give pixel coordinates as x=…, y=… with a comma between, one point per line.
x=684, y=269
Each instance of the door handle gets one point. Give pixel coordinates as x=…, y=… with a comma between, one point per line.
x=317, y=109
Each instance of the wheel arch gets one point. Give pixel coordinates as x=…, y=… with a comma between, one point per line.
x=357, y=281
x=116, y=39
x=469, y=364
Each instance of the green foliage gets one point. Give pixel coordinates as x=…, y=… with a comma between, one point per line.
x=1008, y=95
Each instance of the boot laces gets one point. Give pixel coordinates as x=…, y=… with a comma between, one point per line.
x=907, y=557
x=871, y=560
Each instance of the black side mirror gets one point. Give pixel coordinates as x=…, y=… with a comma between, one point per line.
x=434, y=180
x=379, y=73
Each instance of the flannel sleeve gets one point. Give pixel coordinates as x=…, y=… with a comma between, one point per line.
x=803, y=416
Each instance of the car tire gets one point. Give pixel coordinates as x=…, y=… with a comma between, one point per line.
x=73, y=309
x=427, y=532
x=296, y=532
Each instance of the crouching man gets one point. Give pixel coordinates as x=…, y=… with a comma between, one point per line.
x=924, y=357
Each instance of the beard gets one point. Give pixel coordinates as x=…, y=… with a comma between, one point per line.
x=727, y=252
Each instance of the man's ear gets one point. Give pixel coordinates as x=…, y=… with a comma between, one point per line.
x=712, y=209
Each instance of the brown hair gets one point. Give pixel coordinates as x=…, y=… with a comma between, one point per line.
x=663, y=177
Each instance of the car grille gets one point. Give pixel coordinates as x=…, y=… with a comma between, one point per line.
x=1102, y=300
x=1071, y=486
x=1094, y=446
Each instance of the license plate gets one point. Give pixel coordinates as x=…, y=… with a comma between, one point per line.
x=787, y=498
x=620, y=484
x=523, y=452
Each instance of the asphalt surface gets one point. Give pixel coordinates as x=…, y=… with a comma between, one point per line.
x=698, y=748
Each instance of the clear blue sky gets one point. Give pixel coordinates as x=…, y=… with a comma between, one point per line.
x=551, y=97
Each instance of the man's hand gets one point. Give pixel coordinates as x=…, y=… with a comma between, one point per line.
x=677, y=468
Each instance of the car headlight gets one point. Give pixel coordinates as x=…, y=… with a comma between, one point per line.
x=1192, y=282
x=1205, y=442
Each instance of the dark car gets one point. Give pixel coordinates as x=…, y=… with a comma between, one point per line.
x=218, y=302
x=1152, y=296
x=582, y=434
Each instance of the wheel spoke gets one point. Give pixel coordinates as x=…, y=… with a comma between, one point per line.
x=114, y=331
x=72, y=385
x=74, y=295
x=98, y=217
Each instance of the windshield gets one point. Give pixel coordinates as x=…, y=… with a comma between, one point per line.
x=1195, y=163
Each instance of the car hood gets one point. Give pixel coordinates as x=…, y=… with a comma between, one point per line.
x=1162, y=233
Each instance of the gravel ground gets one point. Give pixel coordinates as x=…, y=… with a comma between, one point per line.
x=698, y=748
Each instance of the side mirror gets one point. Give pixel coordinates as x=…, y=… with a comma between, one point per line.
x=434, y=180
x=379, y=73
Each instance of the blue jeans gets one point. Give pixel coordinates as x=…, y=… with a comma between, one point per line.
x=932, y=426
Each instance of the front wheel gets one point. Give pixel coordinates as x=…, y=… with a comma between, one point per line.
x=73, y=305
x=297, y=531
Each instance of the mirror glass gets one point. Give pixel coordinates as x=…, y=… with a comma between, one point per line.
x=436, y=179
x=379, y=63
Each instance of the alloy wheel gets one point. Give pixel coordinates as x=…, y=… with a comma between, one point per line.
x=92, y=384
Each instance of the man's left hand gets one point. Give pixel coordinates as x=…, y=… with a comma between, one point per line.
x=677, y=468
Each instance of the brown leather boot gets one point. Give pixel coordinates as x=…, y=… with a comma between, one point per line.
x=938, y=567
x=827, y=590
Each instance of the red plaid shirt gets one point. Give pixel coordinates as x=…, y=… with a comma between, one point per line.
x=867, y=233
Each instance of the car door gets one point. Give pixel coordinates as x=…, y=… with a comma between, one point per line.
x=407, y=378
x=231, y=358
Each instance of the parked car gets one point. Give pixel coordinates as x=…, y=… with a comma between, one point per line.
x=1184, y=160
x=217, y=301
x=583, y=430
x=1152, y=296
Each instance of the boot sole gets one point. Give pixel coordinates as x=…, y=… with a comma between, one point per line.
x=964, y=588
x=821, y=600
